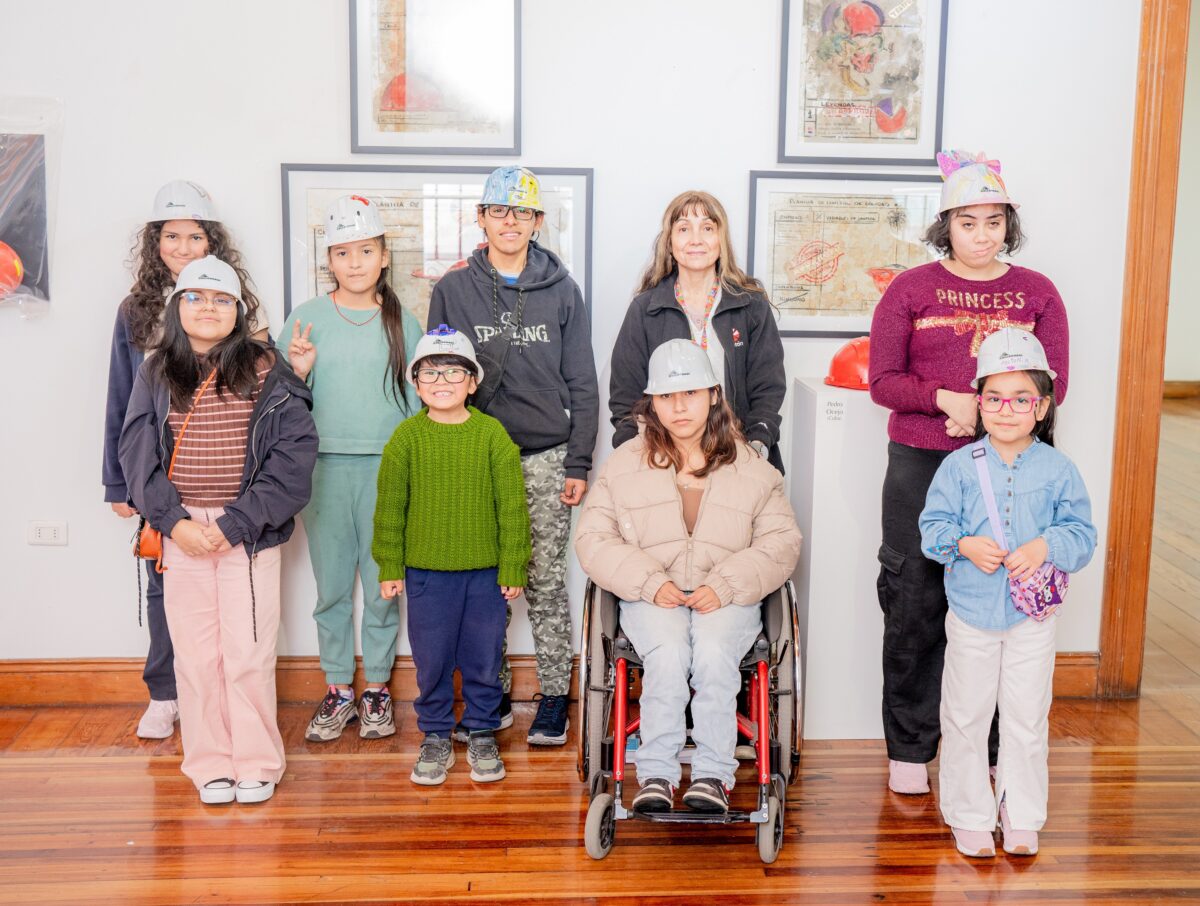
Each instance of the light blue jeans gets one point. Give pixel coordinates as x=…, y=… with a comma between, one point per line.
x=683, y=650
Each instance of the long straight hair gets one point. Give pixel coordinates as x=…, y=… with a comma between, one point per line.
x=179, y=366
x=1043, y=429
x=153, y=281
x=391, y=315
x=718, y=444
x=662, y=265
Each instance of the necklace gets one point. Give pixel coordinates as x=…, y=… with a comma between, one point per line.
x=702, y=324
x=338, y=309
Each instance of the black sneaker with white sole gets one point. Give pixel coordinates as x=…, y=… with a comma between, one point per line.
x=707, y=794
x=462, y=734
x=549, y=727
x=656, y=795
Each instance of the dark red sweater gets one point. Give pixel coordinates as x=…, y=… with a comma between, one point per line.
x=925, y=336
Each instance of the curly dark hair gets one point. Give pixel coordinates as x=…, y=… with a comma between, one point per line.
x=719, y=443
x=153, y=280
x=938, y=233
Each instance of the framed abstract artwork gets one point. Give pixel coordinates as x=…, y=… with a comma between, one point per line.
x=827, y=245
x=862, y=82
x=429, y=215
x=435, y=76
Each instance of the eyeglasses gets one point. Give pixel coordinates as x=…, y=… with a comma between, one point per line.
x=195, y=300
x=431, y=375
x=1020, y=405
x=500, y=211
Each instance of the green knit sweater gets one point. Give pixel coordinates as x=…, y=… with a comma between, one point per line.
x=451, y=497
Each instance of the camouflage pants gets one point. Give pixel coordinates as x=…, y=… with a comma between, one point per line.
x=546, y=590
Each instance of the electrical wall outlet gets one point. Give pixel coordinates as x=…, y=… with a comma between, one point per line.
x=51, y=533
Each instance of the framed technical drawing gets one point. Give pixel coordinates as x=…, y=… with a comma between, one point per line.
x=827, y=245
x=435, y=76
x=429, y=213
x=862, y=83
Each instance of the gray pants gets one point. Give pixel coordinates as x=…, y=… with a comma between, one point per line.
x=683, y=650
x=546, y=590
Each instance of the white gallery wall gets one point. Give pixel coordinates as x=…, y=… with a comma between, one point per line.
x=1183, y=317
x=657, y=97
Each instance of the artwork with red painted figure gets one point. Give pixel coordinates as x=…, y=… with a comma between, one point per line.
x=11, y=270
x=882, y=277
x=410, y=93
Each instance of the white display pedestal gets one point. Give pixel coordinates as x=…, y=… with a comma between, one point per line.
x=839, y=456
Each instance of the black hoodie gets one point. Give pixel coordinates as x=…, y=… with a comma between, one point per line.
x=548, y=395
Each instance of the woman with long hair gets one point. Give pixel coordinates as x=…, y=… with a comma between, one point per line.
x=691, y=529
x=183, y=227
x=694, y=290
x=353, y=346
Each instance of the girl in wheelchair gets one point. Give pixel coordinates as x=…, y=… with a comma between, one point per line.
x=690, y=527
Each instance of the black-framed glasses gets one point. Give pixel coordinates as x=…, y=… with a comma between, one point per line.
x=500, y=211
x=1021, y=404
x=431, y=375
x=195, y=300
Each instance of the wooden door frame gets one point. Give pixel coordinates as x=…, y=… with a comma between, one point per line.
x=1154, y=177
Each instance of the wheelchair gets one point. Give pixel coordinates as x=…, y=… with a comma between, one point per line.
x=771, y=690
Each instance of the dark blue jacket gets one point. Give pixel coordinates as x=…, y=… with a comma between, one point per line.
x=124, y=360
x=280, y=455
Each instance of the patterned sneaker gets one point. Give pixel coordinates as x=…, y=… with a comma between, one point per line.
x=436, y=758
x=484, y=757
x=375, y=719
x=549, y=727
x=462, y=734
x=331, y=718
x=656, y=795
x=707, y=794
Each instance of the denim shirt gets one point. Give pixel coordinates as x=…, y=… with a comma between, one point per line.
x=1041, y=493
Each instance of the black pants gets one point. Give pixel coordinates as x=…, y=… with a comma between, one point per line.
x=912, y=594
x=159, y=673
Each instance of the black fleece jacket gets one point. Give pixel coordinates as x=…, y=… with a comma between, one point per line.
x=755, y=381
x=277, y=478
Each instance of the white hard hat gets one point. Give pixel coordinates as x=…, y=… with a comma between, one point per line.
x=350, y=219
x=209, y=273
x=444, y=341
x=182, y=200
x=679, y=365
x=1010, y=349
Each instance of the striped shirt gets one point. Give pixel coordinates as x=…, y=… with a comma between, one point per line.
x=211, y=455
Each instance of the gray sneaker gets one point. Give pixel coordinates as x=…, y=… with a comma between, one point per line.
x=484, y=757
x=435, y=760
x=331, y=718
x=375, y=719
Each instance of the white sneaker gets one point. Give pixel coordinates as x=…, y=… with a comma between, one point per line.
x=217, y=792
x=159, y=720
x=255, y=790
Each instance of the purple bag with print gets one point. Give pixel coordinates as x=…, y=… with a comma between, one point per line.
x=1040, y=594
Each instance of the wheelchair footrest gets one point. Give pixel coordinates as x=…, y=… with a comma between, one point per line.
x=688, y=817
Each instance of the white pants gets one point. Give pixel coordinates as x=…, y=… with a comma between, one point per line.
x=676, y=643
x=1013, y=668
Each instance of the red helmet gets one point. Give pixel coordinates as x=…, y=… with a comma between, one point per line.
x=848, y=368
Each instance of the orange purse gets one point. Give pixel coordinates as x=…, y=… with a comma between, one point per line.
x=147, y=540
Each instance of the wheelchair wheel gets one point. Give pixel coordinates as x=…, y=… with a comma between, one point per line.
x=769, y=836
x=600, y=828
x=789, y=704
x=595, y=695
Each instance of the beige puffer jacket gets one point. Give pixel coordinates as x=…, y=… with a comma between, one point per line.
x=631, y=537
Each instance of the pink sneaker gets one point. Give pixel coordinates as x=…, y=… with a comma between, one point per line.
x=976, y=844
x=908, y=778
x=159, y=720
x=1016, y=842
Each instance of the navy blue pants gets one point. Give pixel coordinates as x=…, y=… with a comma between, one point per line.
x=159, y=672
x=455, y=619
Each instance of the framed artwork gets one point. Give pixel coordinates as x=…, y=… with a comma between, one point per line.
x=435, y=76
x=24, y=218
x=827, y=245
x=430, y=217
x=861, y=83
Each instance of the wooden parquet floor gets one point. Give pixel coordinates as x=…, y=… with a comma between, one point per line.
x=89, y=814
